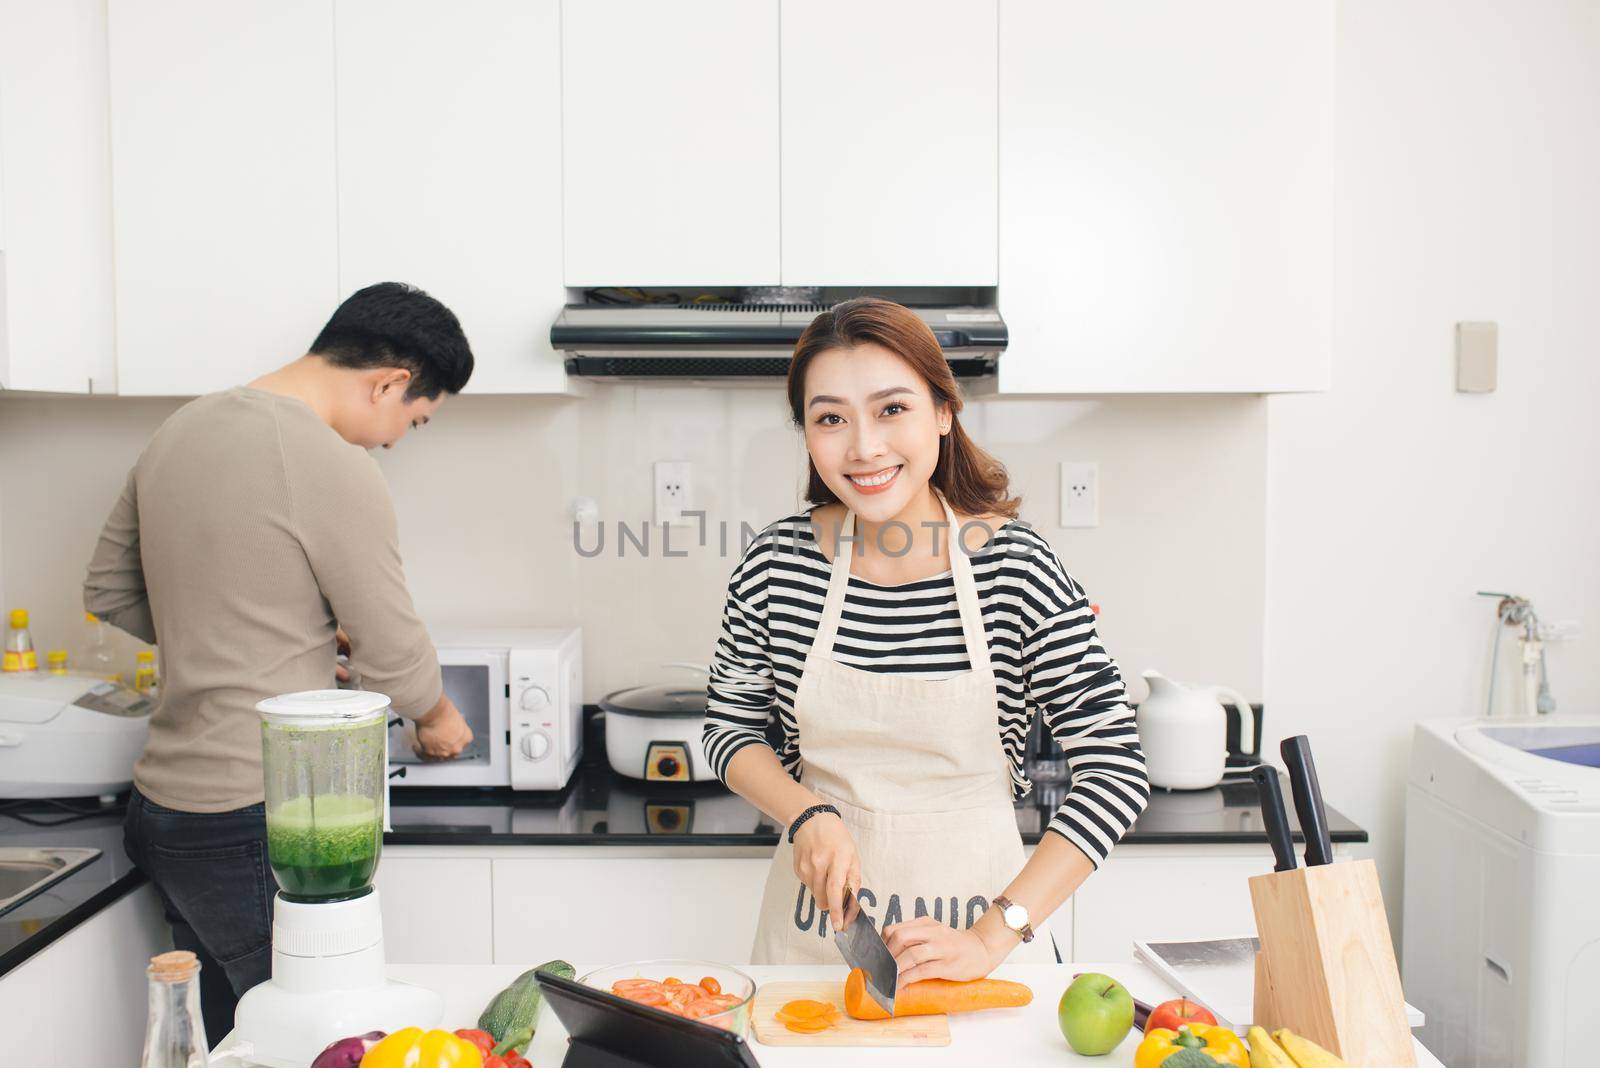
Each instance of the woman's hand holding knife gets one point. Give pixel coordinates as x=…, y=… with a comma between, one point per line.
x=826, y=861
x=825, y=857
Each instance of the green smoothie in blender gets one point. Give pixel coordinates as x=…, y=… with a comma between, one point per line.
x=322, y=847
x=323, y=762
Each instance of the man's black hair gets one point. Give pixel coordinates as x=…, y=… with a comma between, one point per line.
x=392, y=324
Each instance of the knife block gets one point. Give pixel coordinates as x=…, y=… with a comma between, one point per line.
x=1326, y=969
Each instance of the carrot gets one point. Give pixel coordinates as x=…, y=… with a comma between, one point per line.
x=808, y=1010
x=808, y=1017
x=809, y=1027
x=930, y=997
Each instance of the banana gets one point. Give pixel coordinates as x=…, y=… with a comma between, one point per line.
x=1265, y=1053
x=1306, y=1053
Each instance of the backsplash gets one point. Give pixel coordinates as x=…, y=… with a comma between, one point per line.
x=484, y=498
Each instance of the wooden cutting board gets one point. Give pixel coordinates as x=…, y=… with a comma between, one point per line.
x=902, y=1031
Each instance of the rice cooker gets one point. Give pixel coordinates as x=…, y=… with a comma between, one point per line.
x=653, y=732
x=68, y=735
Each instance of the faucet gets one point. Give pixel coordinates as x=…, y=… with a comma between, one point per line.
x=1514, y=611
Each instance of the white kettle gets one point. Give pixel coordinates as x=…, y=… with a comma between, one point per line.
x=1184, y=731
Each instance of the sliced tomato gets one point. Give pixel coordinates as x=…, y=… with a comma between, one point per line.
x=710, y=985
x=691, y=1000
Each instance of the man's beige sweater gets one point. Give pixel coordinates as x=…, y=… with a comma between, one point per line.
x=247, y=531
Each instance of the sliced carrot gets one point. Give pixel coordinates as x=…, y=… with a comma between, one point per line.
x=806, y=1010
x=808, y=1017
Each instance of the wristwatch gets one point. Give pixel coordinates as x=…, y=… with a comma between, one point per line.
x=1015, y=917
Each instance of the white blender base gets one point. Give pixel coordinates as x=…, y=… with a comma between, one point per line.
x=327, y=983
x=287, y=1029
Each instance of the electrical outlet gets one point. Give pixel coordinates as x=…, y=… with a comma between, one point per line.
x=674, y=490
x=1080, y=494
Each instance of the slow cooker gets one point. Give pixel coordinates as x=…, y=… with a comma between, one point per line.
x=653, y=732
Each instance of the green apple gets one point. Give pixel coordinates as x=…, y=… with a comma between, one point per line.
x=1096, y=1014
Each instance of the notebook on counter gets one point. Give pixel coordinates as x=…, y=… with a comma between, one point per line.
x=1219, y=973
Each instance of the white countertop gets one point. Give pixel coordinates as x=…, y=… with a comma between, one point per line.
x=1016, y=1037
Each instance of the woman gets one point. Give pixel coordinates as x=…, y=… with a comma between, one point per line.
x=905, y=673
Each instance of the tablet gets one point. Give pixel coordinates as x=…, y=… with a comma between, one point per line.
x=636, y=1033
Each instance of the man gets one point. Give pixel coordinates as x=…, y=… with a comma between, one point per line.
x=252, y=530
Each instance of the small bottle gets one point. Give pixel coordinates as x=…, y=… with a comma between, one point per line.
x=98, y=658
x=56, y=661
x=19, y=655
x=145, y=679
x=174, y=1035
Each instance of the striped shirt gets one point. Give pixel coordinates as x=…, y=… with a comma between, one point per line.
x=1046, y=656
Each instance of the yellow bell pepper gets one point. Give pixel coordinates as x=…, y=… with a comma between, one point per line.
x=1217, y=1042
x=412, y=1048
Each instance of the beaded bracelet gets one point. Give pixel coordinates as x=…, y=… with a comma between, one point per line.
x=807, y=814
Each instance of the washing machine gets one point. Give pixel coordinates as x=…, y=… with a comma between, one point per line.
x=1501, y=943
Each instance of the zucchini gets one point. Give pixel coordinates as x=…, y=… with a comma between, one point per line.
x=511, y=1015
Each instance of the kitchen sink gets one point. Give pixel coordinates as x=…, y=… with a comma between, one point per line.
x=24, y=871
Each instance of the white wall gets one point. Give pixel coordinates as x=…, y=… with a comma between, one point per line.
x=483, y=497
x=1469, y=168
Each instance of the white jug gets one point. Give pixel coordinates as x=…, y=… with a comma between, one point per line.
x=1184, y=731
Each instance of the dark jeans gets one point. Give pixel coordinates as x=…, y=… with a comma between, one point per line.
x=211, y=869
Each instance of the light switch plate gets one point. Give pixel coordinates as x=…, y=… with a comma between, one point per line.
x=1477, y=357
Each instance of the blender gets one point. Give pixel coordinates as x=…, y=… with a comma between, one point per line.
x=325, y=763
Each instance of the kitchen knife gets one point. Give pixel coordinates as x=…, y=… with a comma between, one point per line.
x=862, y=947
x=1273, y=815
x=1308, y=805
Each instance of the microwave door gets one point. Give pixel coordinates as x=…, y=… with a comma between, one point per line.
x=475, y=682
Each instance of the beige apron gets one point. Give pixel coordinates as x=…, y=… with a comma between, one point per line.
x=920, y=778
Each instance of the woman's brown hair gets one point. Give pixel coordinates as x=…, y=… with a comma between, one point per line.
x=974, y=482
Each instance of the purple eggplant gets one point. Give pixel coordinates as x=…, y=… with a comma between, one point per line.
x=347, y=1052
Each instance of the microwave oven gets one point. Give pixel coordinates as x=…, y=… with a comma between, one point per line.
x=521, y=692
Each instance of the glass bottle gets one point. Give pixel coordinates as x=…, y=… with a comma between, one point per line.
x=174, y=1036
x=56, y=661
x=145, y=679
x=19, y=654
x=99, y=660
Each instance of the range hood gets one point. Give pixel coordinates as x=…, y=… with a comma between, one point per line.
x=739, y=341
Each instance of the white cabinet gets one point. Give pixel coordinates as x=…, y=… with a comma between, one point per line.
x=436, y=910
x=525, y=905
x=603, y=907
x=1165, y=195
x=1165, y=893
x=449, y=135
x=529, y=904
x=889, y=142
x=223, y=186
x=55, y=198
x=84, y=999
x=670, y=142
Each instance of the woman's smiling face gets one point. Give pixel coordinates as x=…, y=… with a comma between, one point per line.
x=872, y=428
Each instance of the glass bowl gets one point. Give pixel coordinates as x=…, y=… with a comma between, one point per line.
x=735, y=1018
